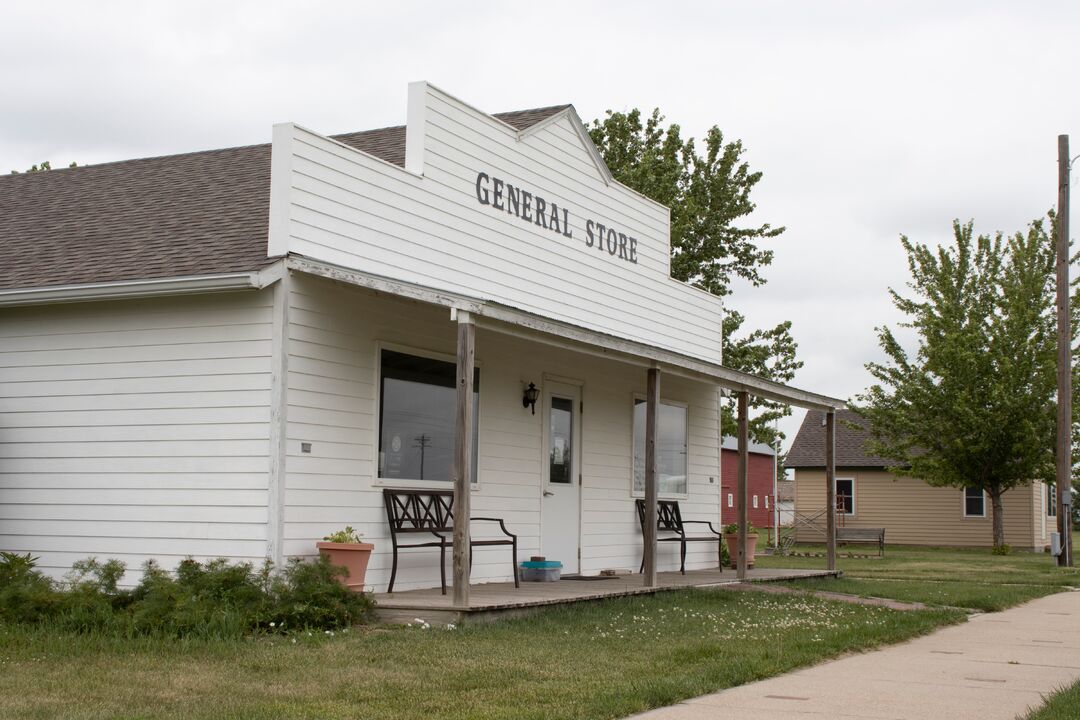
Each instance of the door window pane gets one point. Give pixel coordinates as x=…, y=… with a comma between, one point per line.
x=560, y=440
x=670, y=449
x=1051, y=500
x=417, y=418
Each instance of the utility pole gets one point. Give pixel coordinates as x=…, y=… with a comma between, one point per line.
x=423, y=442
x=1064, y=389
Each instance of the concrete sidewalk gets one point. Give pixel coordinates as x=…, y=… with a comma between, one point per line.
x=994, y=666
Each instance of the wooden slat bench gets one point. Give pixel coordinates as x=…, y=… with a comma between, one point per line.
x=862, y=536
x=669, y=519
x=431, y=512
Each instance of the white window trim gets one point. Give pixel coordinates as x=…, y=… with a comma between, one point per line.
x=634, y=397
x=854, y=495
x=376, y=480
x=963, y=505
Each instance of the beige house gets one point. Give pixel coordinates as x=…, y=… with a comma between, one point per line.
x=912, y=512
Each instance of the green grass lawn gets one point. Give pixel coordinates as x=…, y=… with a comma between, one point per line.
x=940, y=576
x=598, y=660
x=976, y=596
x=1062, y=705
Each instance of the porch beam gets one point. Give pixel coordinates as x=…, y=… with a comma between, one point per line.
x=466, y=361
x=652, y=421
x=830, y=490
x=743, y=481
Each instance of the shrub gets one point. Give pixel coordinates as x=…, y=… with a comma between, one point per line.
x=92, y=600
x=1003, y=549
x=308, y=594
x=212, y=599
x=733, y=529
x=26, y=596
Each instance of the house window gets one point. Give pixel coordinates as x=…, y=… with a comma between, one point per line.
x=845, y=496
x=670, y=448
x=730, y=500
x=974, y=502
x=417, y=427
x=755, y=502
x=766, y=502
x=1051, y=499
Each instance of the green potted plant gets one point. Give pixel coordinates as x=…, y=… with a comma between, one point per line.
x=731, y=537
x=346, y=549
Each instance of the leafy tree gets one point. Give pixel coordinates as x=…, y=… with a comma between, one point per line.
x=709, y=194
x=974, y=406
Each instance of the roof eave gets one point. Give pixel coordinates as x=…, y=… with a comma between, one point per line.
x=120, y=289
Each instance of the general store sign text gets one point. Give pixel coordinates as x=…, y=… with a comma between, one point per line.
x=532, y=208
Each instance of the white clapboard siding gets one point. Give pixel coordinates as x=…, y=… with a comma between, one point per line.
x=136, y=429
x=335, y=334
x=339, y=205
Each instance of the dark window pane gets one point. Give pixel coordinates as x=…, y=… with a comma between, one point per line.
x=560, y=440
x=845, y=496
x=417, y=424
x=974, y=502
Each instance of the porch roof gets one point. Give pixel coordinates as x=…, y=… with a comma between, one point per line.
x=510, y=320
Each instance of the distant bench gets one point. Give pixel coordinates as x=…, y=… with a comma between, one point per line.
x=862, y=536
x=431, y=512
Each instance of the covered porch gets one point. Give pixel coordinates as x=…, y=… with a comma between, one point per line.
x=621, y=374
x=489, y=601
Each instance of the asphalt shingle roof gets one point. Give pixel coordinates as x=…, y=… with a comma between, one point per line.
x=808, y=448
x=199, y=213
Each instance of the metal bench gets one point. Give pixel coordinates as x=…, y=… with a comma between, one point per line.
x=423, y=512
x=669, y=519
x=862, y=536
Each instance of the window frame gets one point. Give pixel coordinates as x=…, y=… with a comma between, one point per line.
x=1050, y=491
x=836, y=491
x=376, y=479
x=964, y=506
x=634, y=493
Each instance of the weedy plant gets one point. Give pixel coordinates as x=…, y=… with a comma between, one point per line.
x=348, y=535
x=200, y=599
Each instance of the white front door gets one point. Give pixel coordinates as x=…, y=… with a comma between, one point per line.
x=560, y=533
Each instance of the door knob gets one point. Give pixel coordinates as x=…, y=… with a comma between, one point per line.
x=548, y=493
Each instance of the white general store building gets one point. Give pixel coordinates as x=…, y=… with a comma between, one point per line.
x=231, y=353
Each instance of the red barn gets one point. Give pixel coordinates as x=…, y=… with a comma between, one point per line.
x=762, y=508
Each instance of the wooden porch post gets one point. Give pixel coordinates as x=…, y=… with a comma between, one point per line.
x=652, y=420
x=830, y=491
x=743, y=483
x=466, y=360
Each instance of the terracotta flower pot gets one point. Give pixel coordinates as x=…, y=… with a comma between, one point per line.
x=732, y=540
x=353, y=557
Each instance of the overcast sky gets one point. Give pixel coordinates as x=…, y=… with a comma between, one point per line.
x=868, y=119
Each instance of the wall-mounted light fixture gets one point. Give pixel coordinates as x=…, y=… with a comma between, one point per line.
x=531, y=395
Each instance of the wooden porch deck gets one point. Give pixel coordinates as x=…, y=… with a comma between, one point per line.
x=495, y=600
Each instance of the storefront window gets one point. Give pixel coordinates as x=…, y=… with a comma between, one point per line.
x=670, y=448
x=416, y=418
